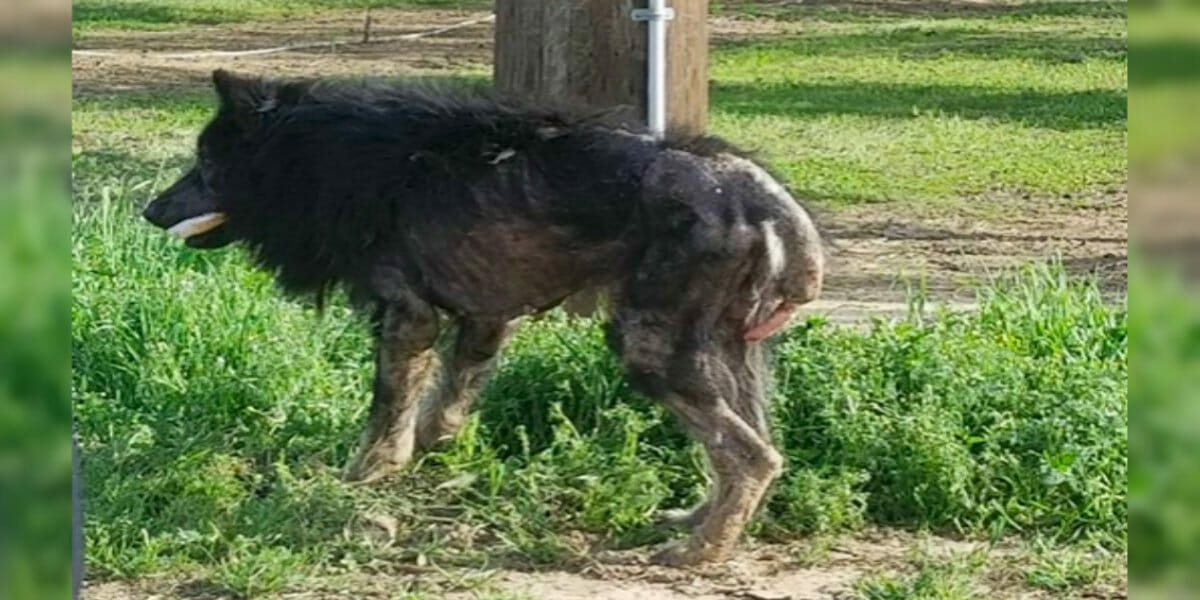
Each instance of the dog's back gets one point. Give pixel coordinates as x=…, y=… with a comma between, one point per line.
x=497, y=207
x=439, y=154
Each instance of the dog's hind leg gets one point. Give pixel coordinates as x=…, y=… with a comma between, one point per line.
x=678, y=329
x=404, y=361
x=697, y=386
x=747, y=365
x=745, y=465
x=466, y=370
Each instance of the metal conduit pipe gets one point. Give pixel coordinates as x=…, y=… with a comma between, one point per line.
x=656, y=16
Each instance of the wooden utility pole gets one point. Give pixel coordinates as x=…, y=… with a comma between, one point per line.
x=593, y=52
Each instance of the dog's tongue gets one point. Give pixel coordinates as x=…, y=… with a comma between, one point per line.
x=772, y=324
x=197, y=225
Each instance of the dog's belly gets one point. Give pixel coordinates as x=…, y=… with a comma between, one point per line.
x=509, y=270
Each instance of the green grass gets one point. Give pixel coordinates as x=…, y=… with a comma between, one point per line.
x=1166, y=85
x=1166, y=481
x=214, y=416
x=932, y=579
x=1059, y=571
x=35, y=409
x=926, y=109
x=943, y=572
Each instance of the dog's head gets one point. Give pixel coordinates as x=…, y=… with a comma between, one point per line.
x=196, y=207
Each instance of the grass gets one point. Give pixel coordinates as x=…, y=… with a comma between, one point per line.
x=1057, y=571
x=932, y=579
x=214, y=415
x=924, y=109
x=1166, y=480
x=930, y=572
x=1166, y=84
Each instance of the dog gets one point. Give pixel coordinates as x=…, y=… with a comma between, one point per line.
x=433, y=207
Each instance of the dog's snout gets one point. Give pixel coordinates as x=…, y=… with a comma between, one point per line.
x=152, y=213
x=182, y=200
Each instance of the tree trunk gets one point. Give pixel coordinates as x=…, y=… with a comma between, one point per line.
x=592, y=52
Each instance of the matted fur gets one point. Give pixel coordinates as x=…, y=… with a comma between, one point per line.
x=429, y=203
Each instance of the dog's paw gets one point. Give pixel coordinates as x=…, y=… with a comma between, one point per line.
x=357, y=474
x=368, y=468
x=379, y=456
x=683, y=553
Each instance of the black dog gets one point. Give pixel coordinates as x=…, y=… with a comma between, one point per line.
x=428, y=205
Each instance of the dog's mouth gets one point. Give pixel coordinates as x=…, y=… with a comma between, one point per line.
x=204, y=231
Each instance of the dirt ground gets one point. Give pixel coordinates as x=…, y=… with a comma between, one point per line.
x=811, y=571
x=876, y=249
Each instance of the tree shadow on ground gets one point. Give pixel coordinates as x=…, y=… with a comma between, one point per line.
x=874, y=10
x=922, y=43
x=1166, y=61
x=1064, y=111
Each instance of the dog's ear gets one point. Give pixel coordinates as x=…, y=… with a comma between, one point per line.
x=247, y=98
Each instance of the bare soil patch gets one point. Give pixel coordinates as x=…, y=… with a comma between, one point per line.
x=137, y=63
x=799, y=571
x=138, y=66
x=880, y=250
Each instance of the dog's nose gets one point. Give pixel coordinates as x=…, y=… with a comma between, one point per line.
x=151, y=213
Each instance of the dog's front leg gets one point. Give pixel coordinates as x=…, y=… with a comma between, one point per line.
x=404, y=364
x=467, y=369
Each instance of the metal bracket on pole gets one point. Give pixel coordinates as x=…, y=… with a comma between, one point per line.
x=649, y=14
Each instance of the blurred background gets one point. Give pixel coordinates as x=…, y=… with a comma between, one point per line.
x=1164, y=82
x=35, y=413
